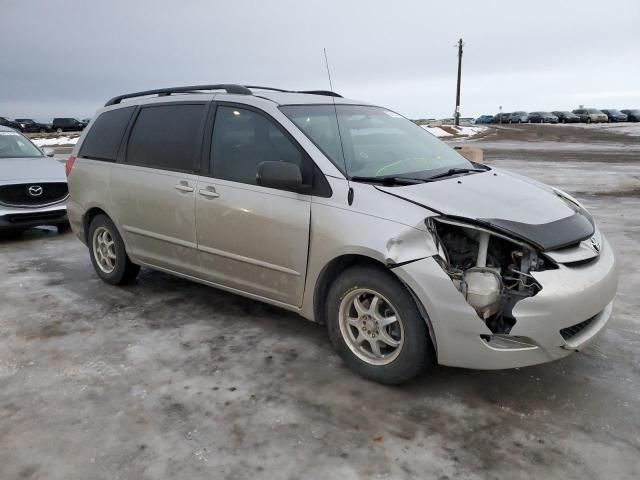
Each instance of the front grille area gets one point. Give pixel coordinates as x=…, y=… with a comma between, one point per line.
x=573, y=330
x=33, y=194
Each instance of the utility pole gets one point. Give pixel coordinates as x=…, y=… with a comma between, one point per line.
x=457, y=117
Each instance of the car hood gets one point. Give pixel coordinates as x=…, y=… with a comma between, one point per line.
x=38, y=169
x=504, y=201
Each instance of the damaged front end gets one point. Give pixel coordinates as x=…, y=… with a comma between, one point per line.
x=492, y=271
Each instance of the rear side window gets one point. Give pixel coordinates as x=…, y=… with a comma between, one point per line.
x=242, y=139
x=103, y=140
x=166, y=137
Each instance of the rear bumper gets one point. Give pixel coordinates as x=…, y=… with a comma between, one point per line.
x=12, y=218
x=569, y=297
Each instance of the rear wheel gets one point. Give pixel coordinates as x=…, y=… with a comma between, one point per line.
x=375, y=326
x=588, y=119
x=108, y=255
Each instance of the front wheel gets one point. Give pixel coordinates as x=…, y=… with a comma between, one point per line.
x=375, y=326
x=108, y=255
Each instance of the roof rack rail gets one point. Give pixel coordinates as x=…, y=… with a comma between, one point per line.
x=308, y=92
x=163, y=92
x=328, y=93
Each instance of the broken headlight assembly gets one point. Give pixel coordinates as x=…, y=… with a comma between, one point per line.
x=491, y=270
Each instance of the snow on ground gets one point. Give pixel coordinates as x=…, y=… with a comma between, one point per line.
x=436, y=131
x=632, y=129
x=452, y=130
x=55, y=141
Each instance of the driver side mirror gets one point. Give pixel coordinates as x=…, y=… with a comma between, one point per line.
x=49, y=152
x=281, y=175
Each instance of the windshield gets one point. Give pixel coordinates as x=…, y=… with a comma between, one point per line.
x=375, y=142
x=14, y=145
x=593, y=110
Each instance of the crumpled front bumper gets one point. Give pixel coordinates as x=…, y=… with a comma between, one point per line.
x=570, y=295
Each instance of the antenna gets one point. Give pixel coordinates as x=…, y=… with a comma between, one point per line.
x=335, y=110
x=326, y=62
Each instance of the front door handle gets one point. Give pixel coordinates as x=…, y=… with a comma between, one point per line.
x=183, y=187
x=209, y=192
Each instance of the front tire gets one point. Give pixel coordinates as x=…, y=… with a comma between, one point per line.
x=108, y=255
x=376, y=327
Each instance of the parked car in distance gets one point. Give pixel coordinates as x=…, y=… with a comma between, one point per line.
x=484, y=120
x=31, y=126
x=5, y=122
x=501, y=118
x=590, y=115
x=614, y=115
x=566, y=117
x=33, y=187
x=633, y=115
x=267, y=201
x=519, y=117
x=63, y=124
x=542, y=117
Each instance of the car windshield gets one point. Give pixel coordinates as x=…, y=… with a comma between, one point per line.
x=373, y=141
x=14, y=145
x=593, y=110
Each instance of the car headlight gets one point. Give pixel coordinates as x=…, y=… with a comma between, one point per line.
x=573, y=203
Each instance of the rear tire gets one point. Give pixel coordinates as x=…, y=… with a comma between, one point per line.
x=385, y=340
x=108, y=254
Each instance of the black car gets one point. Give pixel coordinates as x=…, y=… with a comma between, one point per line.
x=519, y=117
x=61, y=124
x=501, y=118
x=542, y=117
x=31, y=126
x=633, y=114
x=614, y=115
x=5, y=122
x=566, y=117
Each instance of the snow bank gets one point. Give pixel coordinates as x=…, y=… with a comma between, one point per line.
x=436, y=131
x=452, y=130
x=51, y=142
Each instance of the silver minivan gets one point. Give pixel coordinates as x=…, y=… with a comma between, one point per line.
x=348, y=214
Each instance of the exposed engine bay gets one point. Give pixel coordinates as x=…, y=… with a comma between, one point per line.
x=491, y=271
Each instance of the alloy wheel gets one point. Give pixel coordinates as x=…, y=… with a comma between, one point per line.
x=104, y=250
x=371, y=326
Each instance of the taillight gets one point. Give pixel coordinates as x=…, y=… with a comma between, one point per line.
x=69, y=165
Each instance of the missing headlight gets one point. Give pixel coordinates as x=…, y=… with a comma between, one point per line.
x=491, y=271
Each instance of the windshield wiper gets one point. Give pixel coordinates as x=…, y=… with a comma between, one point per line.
x=388, y=181
x=454, y=171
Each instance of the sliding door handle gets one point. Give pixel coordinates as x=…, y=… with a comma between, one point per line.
x=183, y=187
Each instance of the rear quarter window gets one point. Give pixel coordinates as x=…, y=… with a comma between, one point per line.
x=103, y=139
x=167, y=136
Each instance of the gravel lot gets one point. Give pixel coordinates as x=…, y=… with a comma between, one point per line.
x=170, y=379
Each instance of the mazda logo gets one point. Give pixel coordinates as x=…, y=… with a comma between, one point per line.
x=595, y=243
x=35, y=190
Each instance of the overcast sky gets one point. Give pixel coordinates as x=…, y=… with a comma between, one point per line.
x=66, y=58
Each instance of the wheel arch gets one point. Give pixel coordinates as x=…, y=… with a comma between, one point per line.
x=341, y=263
